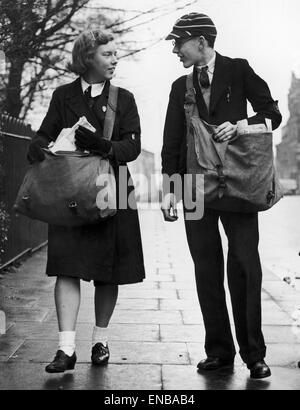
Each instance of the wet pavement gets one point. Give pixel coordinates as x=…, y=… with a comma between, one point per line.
x=157, y=329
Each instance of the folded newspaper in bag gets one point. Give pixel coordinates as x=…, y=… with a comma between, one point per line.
x=66, y=139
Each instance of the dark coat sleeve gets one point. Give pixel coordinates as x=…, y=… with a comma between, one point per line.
x=174, y=130
x=129, y=146
x=259, y=95
x=52, y=123
x=174, y=134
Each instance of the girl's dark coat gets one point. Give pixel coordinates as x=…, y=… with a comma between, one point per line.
x=109, y=252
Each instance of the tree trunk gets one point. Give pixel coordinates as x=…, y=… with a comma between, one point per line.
x=12, y=102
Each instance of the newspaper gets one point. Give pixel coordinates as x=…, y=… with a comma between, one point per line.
x=66, y=139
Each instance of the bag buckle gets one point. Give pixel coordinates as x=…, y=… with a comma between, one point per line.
x=222, y=181
x=73, y=206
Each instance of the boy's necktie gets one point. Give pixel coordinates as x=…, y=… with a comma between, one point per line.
x=203, y=78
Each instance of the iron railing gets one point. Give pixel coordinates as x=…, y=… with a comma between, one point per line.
x=24, y=234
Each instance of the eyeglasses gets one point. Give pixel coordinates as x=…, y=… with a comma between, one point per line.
x=180, y=43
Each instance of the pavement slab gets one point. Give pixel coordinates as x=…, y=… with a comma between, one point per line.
x=42, y=351
x=85, y=377
x=187, y=378
x=9, y=344
x=48, y=331
x=25, y=314
x=147, y=293
x=128, y=316
x=186, y=333
x=278, y=354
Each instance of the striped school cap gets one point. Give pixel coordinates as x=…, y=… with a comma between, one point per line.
x=192, y=25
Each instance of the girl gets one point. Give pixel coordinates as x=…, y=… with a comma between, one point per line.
x=109, y=253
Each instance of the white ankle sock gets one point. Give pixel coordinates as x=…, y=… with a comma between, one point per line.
x=100, y=335
x=67, y=342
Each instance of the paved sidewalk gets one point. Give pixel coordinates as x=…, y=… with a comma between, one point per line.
x=157, y=329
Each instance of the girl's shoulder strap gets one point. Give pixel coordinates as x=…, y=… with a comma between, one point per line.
x=110, y=115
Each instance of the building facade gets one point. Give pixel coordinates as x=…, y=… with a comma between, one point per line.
x=144, y=177
x=288, y=151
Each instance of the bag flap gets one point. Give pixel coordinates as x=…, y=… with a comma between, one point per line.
x=209, y=153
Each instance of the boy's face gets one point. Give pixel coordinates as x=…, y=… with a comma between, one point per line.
x=189, y=51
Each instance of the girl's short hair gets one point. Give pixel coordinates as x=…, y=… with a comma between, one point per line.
x=85, y=47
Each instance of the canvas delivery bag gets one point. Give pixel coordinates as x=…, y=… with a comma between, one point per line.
x=239, y=176
x=71, y=188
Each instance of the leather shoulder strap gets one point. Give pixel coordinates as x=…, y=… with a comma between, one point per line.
x=190, y=105
x=110, y=115
x=189, y=82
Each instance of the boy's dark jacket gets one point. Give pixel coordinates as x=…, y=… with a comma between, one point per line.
x=234, y=82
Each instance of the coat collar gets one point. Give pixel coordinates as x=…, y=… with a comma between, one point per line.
x=96, y=89
x=78, y=104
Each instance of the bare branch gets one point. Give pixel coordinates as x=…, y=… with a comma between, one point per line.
x=151, y=11
x=74, y=8
x=112, y=9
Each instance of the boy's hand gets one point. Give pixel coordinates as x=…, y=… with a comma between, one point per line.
x=225, y=132
x=169, y=208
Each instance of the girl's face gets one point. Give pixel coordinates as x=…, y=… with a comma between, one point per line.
x=105, y=62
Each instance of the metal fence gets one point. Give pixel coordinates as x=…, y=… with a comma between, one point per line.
x=24, y=234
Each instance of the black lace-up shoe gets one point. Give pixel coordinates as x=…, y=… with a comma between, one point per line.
x=259, y=370
x=214, y=363
x=100, y=354
x=61, y=363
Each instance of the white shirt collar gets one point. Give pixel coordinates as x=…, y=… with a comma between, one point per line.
x=96, y=89
x=211, y=64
